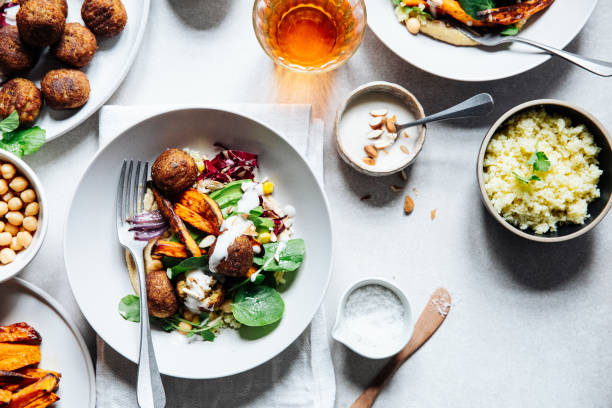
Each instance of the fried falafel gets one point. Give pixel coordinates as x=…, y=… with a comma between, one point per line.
x=104, y=17
x=15, y=56
x=22, y=95
x=76, y=47
x=174, y=171
x=40, y=22
x=239, y=258
x=63, y=5
x=65, y=89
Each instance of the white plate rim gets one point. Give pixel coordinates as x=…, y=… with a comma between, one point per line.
x=541, y=59
x=120, y=78
x=319, y=185
x=59, y=309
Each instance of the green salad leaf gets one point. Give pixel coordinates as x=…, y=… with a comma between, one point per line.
x=20, y=142
x=189, y=264
x=257, y=305
x=510, y=30
x=290, y=257
x=129, y=308
x=10, y=123
x=472, y=7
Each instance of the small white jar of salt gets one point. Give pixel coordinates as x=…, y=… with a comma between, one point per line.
x=374, y=319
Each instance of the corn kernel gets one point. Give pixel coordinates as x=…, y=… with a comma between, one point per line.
x=264, y=237
x=200, y=165
x=251, y=271
x=268, y=187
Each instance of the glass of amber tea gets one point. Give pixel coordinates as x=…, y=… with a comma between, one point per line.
x=309, y=35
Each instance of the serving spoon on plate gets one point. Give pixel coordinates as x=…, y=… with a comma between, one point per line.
x=602, y=68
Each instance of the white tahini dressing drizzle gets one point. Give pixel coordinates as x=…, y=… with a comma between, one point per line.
x=232, y=228
x=250, y=198
x=197, y=287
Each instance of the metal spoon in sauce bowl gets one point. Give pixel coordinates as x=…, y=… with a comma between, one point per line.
x=479, y=105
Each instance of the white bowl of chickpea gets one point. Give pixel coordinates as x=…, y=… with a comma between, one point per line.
x=23, y=222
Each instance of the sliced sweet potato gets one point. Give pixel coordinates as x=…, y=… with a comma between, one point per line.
x=5, y=397
x=37, y=372
x=203, y=205
x=44, y=401
x=12, y=380
x=196, y=220
x=14, y=356
x=19, y=333
x=33, y=392
x=177, y=224
x=169, y=248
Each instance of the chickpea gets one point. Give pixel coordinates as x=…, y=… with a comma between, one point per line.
x=31, y=209
x=28, y=196
x=15, y=204
x=11, y=229
x=183, y=327
x=14, y=217
x=24, y=238
x=8, y=171
x=7, y=255
x=15, y=244
x=8, y=196
x=5, y=238
x=18, y=184
x=413, y=25
x=3, y=186
x=30, y=223
x=2, y=224
x=3, y=208
x=188, y=315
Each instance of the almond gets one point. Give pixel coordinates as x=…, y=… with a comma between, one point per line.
x=390, y=124
x=408, y=205
x=404, y=149
x=375, y=134
x=377, y=122
x=371, y=151
x=383, y=144
x=369, y=161
x=379, y=112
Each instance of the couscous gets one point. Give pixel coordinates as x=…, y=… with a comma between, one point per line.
x=542, y=200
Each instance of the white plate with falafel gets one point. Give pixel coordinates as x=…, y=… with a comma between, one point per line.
x=240, y=247
x=60, y=60
x=422, y=33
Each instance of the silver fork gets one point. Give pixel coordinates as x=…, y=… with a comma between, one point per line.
x=130, y=200
x=598, y=67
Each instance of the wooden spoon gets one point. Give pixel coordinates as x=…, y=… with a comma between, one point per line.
x=431, y=318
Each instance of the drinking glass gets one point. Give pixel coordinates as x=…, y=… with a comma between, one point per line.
x=309, y=35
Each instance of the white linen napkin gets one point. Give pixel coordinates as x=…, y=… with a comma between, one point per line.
x=302, y=375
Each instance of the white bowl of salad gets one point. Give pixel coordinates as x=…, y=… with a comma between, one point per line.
x=239, y=243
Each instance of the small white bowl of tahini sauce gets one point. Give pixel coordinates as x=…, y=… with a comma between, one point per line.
x=374, y=319
x=353, y=128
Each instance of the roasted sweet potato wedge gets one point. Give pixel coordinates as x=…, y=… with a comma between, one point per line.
x=19, y=333
x=514, y=13
x=37, y=372
x=14, y=356
x=203, y=205
x=44, y=401
x=196, y=220
x=168, y=248
x=5, y=398
x=177, y=224
x=28, y=395
x=12, y=380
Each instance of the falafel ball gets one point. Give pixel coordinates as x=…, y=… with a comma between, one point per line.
x=76, y=47
x=65, y=89
x=174, y=171
x=239, y=258
x=104, y=17
x=63, y=5
x=40, y=22
x=161, y=299
x=22, y=95
x=15, y=56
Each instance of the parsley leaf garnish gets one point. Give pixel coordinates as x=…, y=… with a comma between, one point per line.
x=538, y=162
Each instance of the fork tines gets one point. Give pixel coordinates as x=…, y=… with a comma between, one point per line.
x=131, y=190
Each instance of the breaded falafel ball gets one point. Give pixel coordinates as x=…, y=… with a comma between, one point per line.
x=76, y=47
x=40, y=22
x=104, y=17
x=22, y=95
x=174, y=171
x=239, y=258
x=65, y=89
x=63, y=5
x=15, y=56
